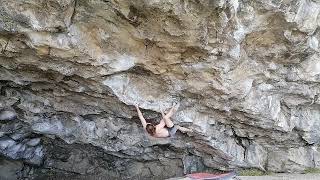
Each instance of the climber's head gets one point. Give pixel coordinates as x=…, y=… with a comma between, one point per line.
x=151, y=129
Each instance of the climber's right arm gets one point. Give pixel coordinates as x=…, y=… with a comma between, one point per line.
x=143, y=121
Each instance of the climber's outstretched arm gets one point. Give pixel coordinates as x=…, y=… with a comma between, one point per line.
x=143, y=121
x=162, y=123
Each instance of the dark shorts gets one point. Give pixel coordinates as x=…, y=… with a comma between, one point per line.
x=172, y=130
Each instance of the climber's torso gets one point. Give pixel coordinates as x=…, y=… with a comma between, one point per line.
x=161, y=132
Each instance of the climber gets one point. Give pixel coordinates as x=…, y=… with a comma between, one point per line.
x=165, y=128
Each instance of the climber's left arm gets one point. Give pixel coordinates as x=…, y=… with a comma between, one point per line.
x=143, y=121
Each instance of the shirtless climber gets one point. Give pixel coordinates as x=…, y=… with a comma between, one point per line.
x=165, y=128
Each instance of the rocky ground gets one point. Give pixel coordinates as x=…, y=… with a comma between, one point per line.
x=283, y=177
x=246, y=75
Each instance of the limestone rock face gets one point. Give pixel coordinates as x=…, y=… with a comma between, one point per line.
x=246, y=75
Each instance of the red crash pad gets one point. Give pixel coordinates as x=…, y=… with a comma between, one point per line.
x=208, y=176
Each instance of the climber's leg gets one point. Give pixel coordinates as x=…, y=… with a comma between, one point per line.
x=170, y=113
x=183, y=129
x=172, y=130
x=168, y=122
x=166, y=118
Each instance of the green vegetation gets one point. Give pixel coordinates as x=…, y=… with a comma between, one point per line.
x=257, y=172
x=311, y=170
x=253, y=172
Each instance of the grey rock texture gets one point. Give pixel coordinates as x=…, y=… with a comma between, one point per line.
x=7, y=115
x=10, y=169
x=17, y=142
x=246, y=75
